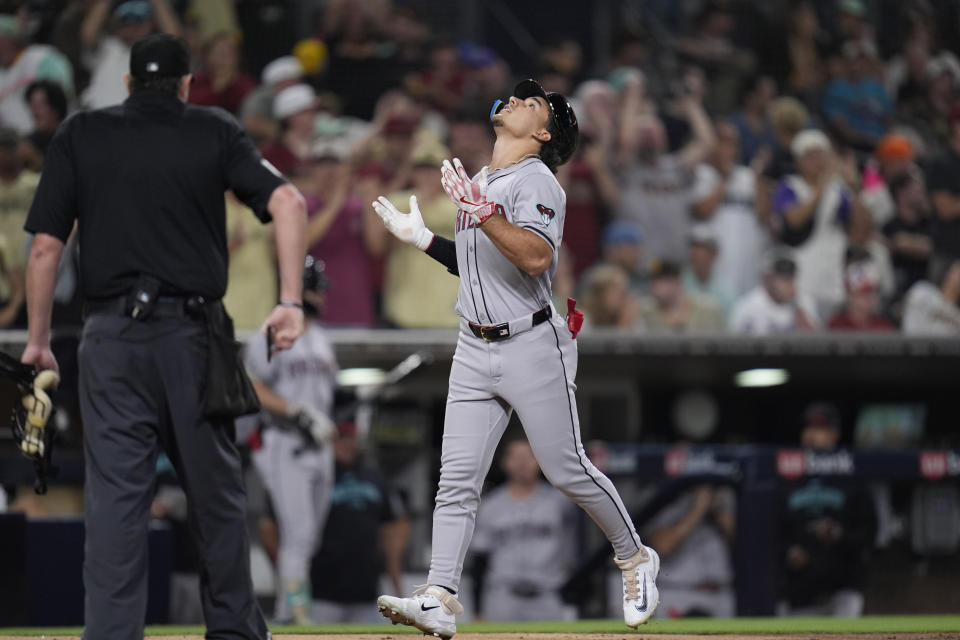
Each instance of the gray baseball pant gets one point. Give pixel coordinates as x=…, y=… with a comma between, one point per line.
x=533, y=373
x=141, y=388
x=299, y=485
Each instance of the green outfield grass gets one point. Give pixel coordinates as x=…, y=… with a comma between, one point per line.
x=869, y=624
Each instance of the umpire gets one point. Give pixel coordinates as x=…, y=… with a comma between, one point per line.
x=145, y=183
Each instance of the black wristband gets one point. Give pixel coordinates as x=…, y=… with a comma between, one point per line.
x=444, y=251
x=290, y=303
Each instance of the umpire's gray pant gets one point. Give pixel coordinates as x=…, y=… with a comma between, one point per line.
x=141, y=388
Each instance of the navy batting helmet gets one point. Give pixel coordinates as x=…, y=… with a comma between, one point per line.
x=564, y=130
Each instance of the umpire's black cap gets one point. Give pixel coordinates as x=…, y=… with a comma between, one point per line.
x=159, y=55
x=564, y=119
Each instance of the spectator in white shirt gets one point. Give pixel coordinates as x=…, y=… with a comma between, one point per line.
x=932, y=310
x=817, y=211
x=107, y=56
x=725, y=199
x=775, y=306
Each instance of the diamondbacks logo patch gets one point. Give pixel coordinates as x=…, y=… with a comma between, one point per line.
x=546, y=214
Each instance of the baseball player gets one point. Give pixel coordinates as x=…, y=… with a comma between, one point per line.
x=296, y=389
x=523, y=544
x=513, y=352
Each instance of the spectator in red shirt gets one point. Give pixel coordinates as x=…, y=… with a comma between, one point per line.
x=860, y=312
x=221, y=83
x=339, y=232
x=296, y=109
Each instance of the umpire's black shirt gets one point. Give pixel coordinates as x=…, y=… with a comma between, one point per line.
x=146, y=181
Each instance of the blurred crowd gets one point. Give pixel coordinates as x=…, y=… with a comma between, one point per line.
x=757, y=170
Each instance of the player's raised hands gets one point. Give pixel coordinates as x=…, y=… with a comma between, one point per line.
x=469, y=195
x=407, y=227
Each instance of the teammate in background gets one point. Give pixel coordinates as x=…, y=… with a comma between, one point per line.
x=365, y=514
x=828, y=525
x=694, y=534
x=294, y=458
x=523, y=544
x=513, y=352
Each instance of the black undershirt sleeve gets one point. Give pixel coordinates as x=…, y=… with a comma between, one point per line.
x=445, y=252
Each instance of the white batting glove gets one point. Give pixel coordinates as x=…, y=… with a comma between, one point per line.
x=38, y=406
x=315, y=422
x=469, y=195
x=407, y=227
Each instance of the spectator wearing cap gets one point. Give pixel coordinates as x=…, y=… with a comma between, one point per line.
x=908, y=234
x=48, y=106
x=775, y=306
x=816, y=212
x=931, y=308
x=944, y=188
x=296, y=109
x=20, y=64
x=17, y=188
x=221, y=83
x=700, y=277
x=608, y=301
x=341, y=231
x=408, y=274
x=669, y=308
x=256, y=112
x=827, y=529
x=894, y=156
x=861, y=312
x=390, y=138
x=623, y=247
x=857, y=105
x=106, y=54
x=725, y=201
x=656, y=185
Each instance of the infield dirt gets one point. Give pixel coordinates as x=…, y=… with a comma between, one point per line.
x=573, y=636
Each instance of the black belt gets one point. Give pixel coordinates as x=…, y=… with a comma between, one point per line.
x=164, y=307
x=497, y=332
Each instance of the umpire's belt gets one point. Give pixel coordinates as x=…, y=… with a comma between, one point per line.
x=495, y=332
x=164, y=307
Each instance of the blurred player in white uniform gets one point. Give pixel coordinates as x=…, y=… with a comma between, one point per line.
x=523, y=543
x=296, y=390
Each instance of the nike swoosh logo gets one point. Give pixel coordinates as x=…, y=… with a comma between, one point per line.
x=423, y=608
x=642, y=607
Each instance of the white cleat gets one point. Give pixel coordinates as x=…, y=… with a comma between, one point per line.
x=432, y=609
x=640, y=594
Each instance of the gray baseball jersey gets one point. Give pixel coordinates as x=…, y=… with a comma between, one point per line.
x=493, y=289
x=529, y=541
x=532, y=371
x=299, y=482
